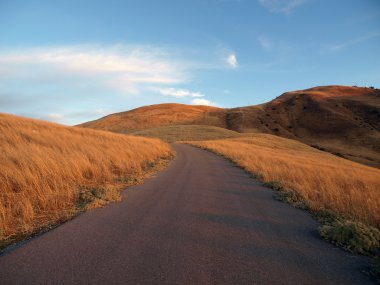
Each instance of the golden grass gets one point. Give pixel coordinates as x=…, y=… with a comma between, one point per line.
x=324, y=180
x=46, y=169
x=159, y=115
x=187, y=132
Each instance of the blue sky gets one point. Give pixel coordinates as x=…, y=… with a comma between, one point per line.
x=74, y=61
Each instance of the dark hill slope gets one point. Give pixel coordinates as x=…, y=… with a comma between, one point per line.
x=342, y=120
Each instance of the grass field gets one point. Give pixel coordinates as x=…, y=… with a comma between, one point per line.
x=325, y=181
x=49, y=172
x=187, y=132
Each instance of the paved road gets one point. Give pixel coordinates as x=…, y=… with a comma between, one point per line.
x=200, y=221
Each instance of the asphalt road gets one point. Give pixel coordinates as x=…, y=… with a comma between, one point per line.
x=200, y=221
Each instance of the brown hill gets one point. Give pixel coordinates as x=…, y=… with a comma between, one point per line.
x=339, y=119
x=342, y=120
x=159, y=115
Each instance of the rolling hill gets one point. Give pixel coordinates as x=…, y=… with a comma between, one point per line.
x=340, y=119
x=159, y=115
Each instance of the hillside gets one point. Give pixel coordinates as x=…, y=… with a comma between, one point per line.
x=49, y=172
x=159, y=115
x=339, y=119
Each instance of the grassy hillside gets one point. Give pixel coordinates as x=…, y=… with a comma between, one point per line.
x=187, y=132
x=339, y=119
x=159, y=115
x=323, y=180
x=50, y=172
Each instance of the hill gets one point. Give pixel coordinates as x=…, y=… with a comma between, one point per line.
x=159, y=115
x=339, y=119
x=49, y=172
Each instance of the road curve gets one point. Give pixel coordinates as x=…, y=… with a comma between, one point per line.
x=200, y=221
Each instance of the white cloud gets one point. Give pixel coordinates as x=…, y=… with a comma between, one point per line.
x=120, y=68
x=265, y=43
x=196, y=97
x=68, y=84
x=178, y=93
x=282, y=6
x=232, y=60
x=201, y=101
x=55, y=117
x=101, y=111
x=73, y=117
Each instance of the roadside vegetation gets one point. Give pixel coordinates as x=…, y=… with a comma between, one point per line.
x=49, y=173
x=343, y=195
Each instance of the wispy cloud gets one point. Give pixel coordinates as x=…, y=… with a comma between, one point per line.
x=65, y=117
x=352, y=42
x=201, y=101
x=122, y=68
x=227, y=57
x=231, y=60
x=282, y=6
x=230, y=1
x=68, y=84
x=265, y=43
x=178, y=93
x=197, y=98
x=55, y=117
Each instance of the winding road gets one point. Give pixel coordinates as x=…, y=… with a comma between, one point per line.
x=200, y=221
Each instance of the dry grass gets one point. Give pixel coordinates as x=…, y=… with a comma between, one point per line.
x=159, y=115
x=49, y=172
x=325, y=181
x=187, y=132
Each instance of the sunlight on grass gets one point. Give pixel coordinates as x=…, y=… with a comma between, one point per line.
x=50, y=172
x=325, y=181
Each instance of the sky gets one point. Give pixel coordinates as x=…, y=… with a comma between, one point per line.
x=78, y=60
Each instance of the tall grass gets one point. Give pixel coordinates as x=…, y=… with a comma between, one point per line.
x=325, y=181
x=45, y=169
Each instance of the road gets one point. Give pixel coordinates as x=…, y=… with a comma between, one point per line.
x=200, y=221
